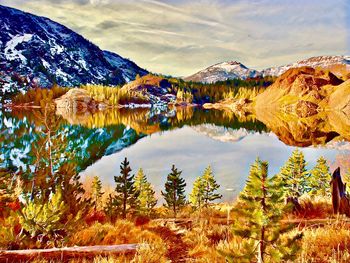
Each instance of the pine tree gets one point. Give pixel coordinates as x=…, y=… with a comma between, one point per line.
x=294, y=176
x=320, y=178
x=126, y=194
x=258, y=213
x=146, y=198
x=204, y=189
x=96, y=192
x=174, y=194
x=110, y=207
x=196, y=197
x=210, y=186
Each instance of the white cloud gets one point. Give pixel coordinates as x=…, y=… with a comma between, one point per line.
x=182, y=37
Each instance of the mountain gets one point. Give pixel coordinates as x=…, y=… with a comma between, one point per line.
x=128, y=68
x=333, y=63
x=223, y=71
x=36, y=51
x=235, y=70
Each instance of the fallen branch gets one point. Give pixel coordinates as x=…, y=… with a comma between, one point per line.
x=66, y=253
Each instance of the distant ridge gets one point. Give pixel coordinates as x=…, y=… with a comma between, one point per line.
x=223, y=71
x=236, y=70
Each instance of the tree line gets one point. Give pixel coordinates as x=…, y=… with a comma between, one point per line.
x=134, y=195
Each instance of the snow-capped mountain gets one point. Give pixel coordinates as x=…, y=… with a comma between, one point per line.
x=236, y=70
x=320, y=61
x=223, y=71
x=38, y=51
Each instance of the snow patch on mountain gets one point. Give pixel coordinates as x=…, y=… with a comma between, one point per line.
x=236, y=70
x=223, y=71
x=10, y=51
x=320, y=61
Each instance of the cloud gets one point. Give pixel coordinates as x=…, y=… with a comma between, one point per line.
x=182, y=37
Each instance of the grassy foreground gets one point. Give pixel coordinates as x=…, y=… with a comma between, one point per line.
x=206, y=237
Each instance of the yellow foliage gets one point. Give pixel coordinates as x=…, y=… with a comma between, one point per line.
x=114, y=95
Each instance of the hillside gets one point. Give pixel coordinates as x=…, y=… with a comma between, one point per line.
x=36, y=51
x=301, y=89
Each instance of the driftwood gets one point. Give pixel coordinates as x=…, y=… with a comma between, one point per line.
x=340, y=200
x=66, y=253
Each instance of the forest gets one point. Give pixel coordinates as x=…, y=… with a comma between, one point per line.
x=189, y=92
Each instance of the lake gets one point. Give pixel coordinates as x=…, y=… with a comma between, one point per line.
x=190, y=138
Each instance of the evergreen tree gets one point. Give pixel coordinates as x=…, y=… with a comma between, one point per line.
x=320, y=178
x=126, y=194
x=146, y=198
x=174, y=193
x=258, y=212
x=196, y=197
x=96, y=192
x=110, y=207
x=294, y=176
x=204, y=189
x=210, y=186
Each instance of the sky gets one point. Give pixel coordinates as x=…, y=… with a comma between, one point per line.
x=181, y=37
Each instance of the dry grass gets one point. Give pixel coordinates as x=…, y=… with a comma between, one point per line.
x=203, y=239
x=151, y=253
x=122, y=232
x=328, y=243
x=98, y=259
x=152, y=247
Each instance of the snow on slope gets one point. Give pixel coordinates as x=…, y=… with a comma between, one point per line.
x=129, y=69
x=320, y=61
x=37, y=51
x=223, y=71
x=236, y=70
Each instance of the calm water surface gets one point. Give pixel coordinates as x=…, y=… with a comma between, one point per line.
x=192, y=150
x=191, y=139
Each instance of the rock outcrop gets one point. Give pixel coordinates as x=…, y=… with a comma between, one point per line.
x=340, y=98
x=157, y=90
x=303, y=91
x=78, y=100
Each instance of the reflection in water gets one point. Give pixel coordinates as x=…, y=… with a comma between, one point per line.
x=318, y=129
x=191, y=138
x=191, y=152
